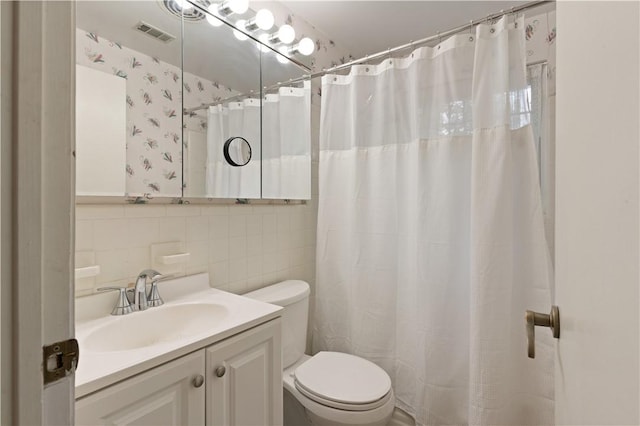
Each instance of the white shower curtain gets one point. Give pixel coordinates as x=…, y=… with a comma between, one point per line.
x=431, y=242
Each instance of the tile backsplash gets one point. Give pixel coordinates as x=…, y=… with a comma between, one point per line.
x=243, y=247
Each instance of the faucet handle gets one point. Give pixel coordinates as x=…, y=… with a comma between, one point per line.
x=123, y=306
x=161, y=277
x=153, y=298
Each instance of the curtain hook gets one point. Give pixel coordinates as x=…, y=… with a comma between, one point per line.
x=471, y=30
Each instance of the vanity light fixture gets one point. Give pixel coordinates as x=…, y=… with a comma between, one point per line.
x=284, y=54
x=239, y=34
x=305, y=46
x=233, y=6
x=264, y=42
x=263, y=20
x=285, y=34
x=213, y=10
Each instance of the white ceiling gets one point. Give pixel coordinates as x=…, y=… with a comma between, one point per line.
x=364, y=27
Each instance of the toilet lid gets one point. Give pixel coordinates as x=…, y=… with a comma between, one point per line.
x=343, y=381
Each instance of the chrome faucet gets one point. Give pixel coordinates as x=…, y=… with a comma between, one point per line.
x=140, y=299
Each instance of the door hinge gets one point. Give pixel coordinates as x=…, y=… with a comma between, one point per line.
x=59, y=360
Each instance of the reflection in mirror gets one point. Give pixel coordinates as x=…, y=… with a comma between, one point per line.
x=237, y=151
x=286, y=143
x=138, y=43
x=221, y=100
x=100, y=133
x=276, y=125
x=286, y=129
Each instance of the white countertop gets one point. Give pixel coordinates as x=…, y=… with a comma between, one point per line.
x=97, y=370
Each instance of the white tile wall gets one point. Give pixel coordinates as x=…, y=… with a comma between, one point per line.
x=242, y=247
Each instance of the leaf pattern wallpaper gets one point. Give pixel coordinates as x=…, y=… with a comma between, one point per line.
x=154, y=105
x=540, y=36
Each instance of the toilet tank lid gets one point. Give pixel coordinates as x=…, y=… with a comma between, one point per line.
x=282, y=294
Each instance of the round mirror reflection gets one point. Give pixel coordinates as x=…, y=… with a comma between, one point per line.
x=237, y=151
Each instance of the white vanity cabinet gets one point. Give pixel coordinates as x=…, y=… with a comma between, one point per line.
x=244, y=378
x=165, y=395
x=237, y=381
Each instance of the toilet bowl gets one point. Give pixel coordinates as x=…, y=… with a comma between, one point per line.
x=329, y=388
x=323, y=410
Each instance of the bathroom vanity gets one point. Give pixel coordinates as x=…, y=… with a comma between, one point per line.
x=204, y=357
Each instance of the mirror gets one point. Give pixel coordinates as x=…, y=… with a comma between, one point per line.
x=178, y=103
x=274, y=119
x=221, y=102
x=139, y=44
x=237, y=151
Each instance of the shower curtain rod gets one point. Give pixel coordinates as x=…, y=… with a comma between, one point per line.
x=389, y=52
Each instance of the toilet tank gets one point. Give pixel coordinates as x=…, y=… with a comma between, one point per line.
x=293, y=296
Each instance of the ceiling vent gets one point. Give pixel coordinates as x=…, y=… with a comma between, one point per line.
x=154, y=32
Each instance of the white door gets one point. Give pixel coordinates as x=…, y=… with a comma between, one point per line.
x=597, y=137
x=37, y=205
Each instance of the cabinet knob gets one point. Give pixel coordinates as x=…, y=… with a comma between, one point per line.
x=220, y=371
x=198, y=380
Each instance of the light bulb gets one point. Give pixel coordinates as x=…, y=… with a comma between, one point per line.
x=213, y=10
x=239, y=34
x=282, y=57
x=306, y=46
x=286, y=34
x=183, y=4
x=264, y=39
x=239, y=6
x=264, y=19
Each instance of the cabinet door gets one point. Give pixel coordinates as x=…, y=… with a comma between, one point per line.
x=165, y=395
x=244, y=378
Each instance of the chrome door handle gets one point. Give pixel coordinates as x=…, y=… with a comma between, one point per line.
x=534, y=318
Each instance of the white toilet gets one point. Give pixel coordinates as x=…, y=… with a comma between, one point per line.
x=329, y=388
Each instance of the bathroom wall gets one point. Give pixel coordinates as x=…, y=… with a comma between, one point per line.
x=243, y=247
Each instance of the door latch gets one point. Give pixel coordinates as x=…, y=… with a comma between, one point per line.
x=59, y=360
x=534, y=318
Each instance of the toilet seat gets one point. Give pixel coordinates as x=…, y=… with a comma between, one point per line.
x=343, y=381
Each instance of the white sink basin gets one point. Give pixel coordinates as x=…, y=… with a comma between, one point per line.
x=155, y=326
